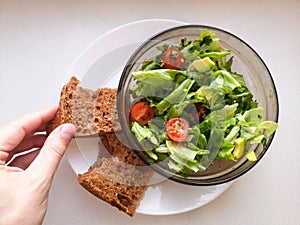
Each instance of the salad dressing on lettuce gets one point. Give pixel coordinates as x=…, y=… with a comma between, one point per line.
x=190, y=109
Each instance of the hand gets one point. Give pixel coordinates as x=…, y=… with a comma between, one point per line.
x=25, y=182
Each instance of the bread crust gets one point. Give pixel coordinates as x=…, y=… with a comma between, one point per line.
x=64, y=111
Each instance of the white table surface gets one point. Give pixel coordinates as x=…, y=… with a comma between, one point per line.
x=39, y=40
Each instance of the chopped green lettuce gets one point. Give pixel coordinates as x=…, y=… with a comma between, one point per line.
x=157, y=83
x=231, y=113
x=175, y=97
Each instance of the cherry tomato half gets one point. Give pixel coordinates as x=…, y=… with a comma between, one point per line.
x=173, y=59
x=177, y=129
x=142, y=112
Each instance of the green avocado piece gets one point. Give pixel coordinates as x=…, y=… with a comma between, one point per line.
x=239, y=147
x=203, y=65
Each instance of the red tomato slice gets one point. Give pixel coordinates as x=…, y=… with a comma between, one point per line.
x=173, y=59
x=142, y=112
x=177, y=129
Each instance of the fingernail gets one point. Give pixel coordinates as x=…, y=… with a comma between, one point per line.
x=67, y=131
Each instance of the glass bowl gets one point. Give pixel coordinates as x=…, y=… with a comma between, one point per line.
x=246, y=62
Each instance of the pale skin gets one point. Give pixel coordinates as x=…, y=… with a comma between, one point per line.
x=25, y=181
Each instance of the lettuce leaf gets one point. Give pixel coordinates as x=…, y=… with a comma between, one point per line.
x=145, y=136
x=175, y=97
x=253, y=125
x=157, y=83
x=183, y=156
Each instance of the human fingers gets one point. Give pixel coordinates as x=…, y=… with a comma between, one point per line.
x=34, y=141
x=10, y=169
x=47, y=161
x=13, y=133
x=23, y=161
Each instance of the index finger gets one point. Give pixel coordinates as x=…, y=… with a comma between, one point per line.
x=13, y=133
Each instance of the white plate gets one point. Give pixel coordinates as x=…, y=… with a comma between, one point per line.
x=99, y=65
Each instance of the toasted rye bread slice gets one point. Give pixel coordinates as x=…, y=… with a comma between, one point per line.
x=114, y=144
x=118, y=177
x=83, y=112
x=119, y=184
x=106, y=118
x=64, y=111
x=91, y=112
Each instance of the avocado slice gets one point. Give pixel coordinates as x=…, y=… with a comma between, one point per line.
x=251, y=156
x=203, y=65
x=239, y=147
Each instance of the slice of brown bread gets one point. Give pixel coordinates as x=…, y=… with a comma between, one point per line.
x=64, y=111
x=120, y=184
x=106, y=118
x=83, y=108
x=118, y=177
x=91, y=112
x=116, y=145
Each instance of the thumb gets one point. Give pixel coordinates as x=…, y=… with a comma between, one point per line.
x=47, y=161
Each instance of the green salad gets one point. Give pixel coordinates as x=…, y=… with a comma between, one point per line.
x=190, y=108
